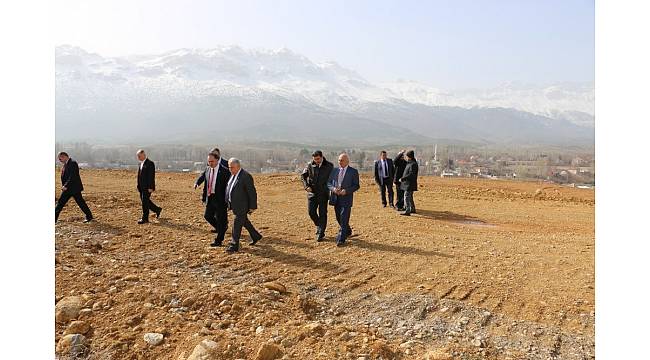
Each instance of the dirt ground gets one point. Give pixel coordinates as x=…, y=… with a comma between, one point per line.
x=486, y=269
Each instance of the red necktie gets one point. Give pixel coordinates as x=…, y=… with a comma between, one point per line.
x=210, y=183
x=62, y=169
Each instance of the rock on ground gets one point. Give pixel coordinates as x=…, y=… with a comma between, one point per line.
x=268, y=352
x=72, y=345
x=68, y=309
x=205, y=350
x=77, y=327
x=153, y=338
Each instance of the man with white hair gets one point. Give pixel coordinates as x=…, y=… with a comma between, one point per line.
x=241, y=197
x=342, y=183
x=146, y=186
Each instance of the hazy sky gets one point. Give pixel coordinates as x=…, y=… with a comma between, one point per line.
x=447, y=44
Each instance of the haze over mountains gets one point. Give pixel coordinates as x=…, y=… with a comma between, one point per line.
x=232, y=94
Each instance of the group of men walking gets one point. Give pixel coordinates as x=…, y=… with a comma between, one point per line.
x=324, y=185
x=226, y=186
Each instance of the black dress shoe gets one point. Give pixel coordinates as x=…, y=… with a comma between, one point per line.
x=216, y=243
x=340, y=243
x=254, y=241
x=158, y=213
x=142, y=221
x=232, y=249
x=400, y=209
x=320, y=237
x=384, y=205
x=88, y=220
x=406, y=213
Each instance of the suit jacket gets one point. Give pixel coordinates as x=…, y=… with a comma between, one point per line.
x=70, y=177
x=147, y=176
x=350, y=184
x=410, y=177
x=243, y=196
x=400, y=165
x=222, y=181
x=391, y=171
x=317, y=178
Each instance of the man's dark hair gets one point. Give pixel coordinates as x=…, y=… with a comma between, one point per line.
x=382, y=152
x=63, y=153
x=410, y=154
x=213, y=155
x=215, y=150
x=317, y=153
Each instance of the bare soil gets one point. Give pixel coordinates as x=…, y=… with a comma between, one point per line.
x=485, y=269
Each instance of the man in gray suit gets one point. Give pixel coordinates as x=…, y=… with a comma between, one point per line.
x=242, y=200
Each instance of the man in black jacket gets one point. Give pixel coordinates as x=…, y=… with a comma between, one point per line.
x=384, y=174
x=71, y=187
x=215, y=177
x=399, y=164
x=314, y=180
x=409, y=182
x=146, y=186
x=242, y=200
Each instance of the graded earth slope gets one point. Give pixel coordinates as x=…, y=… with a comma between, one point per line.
x=486, y=269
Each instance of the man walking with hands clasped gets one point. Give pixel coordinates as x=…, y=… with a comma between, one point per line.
x=242, y=200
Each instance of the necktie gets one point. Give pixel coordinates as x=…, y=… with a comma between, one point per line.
x=341, y=175
x=229, y=188
x=210, y=183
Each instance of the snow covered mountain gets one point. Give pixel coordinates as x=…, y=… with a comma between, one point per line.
x=231, y=93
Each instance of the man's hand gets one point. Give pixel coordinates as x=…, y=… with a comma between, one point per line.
x=150, y=191
x=343, y=192
x=195, y=186
x=308, y=189
x=63, y=188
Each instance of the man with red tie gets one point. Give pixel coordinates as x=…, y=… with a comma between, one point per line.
x=71, y=187
x=215, y=177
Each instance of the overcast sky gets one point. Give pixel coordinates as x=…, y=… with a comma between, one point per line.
x=447, y=44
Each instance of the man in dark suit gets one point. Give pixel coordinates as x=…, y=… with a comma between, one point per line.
x=314, y=180
x=343, y=182
x=242, y=200
x=71, y=187
x=409, y=182
x=223, y=162
x=384, y=174
x=215, y=177
x=146, y=186
x=400, y=164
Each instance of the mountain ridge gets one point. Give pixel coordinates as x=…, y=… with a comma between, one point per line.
x=282, y=94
